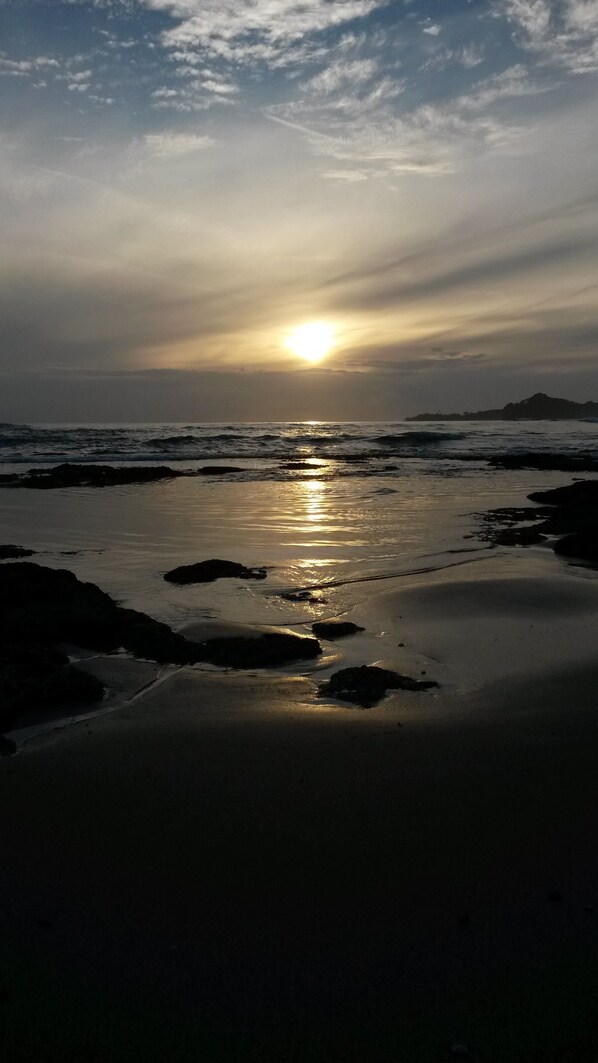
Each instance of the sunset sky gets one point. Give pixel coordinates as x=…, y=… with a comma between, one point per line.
x=185, y=183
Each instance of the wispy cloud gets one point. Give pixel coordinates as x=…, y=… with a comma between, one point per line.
x=207, y=21
x=564, y=32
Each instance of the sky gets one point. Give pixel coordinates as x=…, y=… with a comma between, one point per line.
x=185, y=183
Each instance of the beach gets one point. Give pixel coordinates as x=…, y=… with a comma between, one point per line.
x=227, y=865
x=230, y=868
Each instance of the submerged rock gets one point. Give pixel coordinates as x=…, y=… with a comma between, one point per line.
x=261, y=651
x=219, y=470
x=71, y=475
x=9, y=551
x=527, y=536
x=208, y=571
x=367, y=684
x=304, y=596
x=545, y=462
x=335, y=629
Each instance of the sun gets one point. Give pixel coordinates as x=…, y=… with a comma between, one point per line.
x=312, y=341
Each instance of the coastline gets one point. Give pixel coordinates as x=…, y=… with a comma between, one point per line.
x=230, y=868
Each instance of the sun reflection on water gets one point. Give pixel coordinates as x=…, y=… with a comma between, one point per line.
x=313, y=502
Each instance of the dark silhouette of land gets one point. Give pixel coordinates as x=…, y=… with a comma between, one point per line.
x=538, y=407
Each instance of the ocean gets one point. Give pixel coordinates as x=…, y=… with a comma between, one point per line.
x=339, y=507
x=371, y=444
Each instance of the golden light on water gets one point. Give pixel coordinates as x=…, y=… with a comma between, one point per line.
x=312, y=341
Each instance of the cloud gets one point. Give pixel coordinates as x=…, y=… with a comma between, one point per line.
x=172, y=145
x=212, y=25
x=466, y=56
x=340, y=74
x=514, y=82
x=430, y=140
x=562, y=32
x=27, y=67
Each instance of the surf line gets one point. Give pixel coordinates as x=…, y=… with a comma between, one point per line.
x=389, y=575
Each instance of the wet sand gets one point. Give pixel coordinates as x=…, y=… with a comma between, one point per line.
x=228, y=868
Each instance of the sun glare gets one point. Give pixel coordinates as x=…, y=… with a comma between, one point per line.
x=312, y=341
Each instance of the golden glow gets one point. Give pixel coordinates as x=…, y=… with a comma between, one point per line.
x=312, y=341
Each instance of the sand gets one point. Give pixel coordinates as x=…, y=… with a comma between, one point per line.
x=228, y=868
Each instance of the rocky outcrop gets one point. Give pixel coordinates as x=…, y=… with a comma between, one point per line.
x=74, y=475
x=367, y=685
x=582, y=493
x=208, y=571
x=50, y=606
x=43, y=607
x=569, y=513
x=9, y=551
x=538, y=407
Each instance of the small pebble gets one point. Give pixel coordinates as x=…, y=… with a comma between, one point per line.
x=465, y=921
x=461, y=1051
x=555, y=897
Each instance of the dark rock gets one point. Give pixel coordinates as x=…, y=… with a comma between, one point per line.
x=72, y=475
x=334, y=629
x=49, y=606
x=512, y=514
x=298, y=465
x=218, y=470
x=570, y=511
x=35, y=677
x=583, y=545
x=518, y=536
x=7, y=747
x=304, y=596
x=579, y=493
x=367, y=684
x=208, y=571
x=40, y=607
x=9, y=551
x=545, y=462
x=261, y=651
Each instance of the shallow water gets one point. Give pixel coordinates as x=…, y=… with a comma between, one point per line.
x=335, y=534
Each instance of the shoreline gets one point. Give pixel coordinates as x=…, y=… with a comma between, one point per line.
x=259, y=874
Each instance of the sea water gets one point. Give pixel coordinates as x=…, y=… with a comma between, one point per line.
x=341, y=507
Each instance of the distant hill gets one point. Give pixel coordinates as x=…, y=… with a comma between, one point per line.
x=539, y=407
